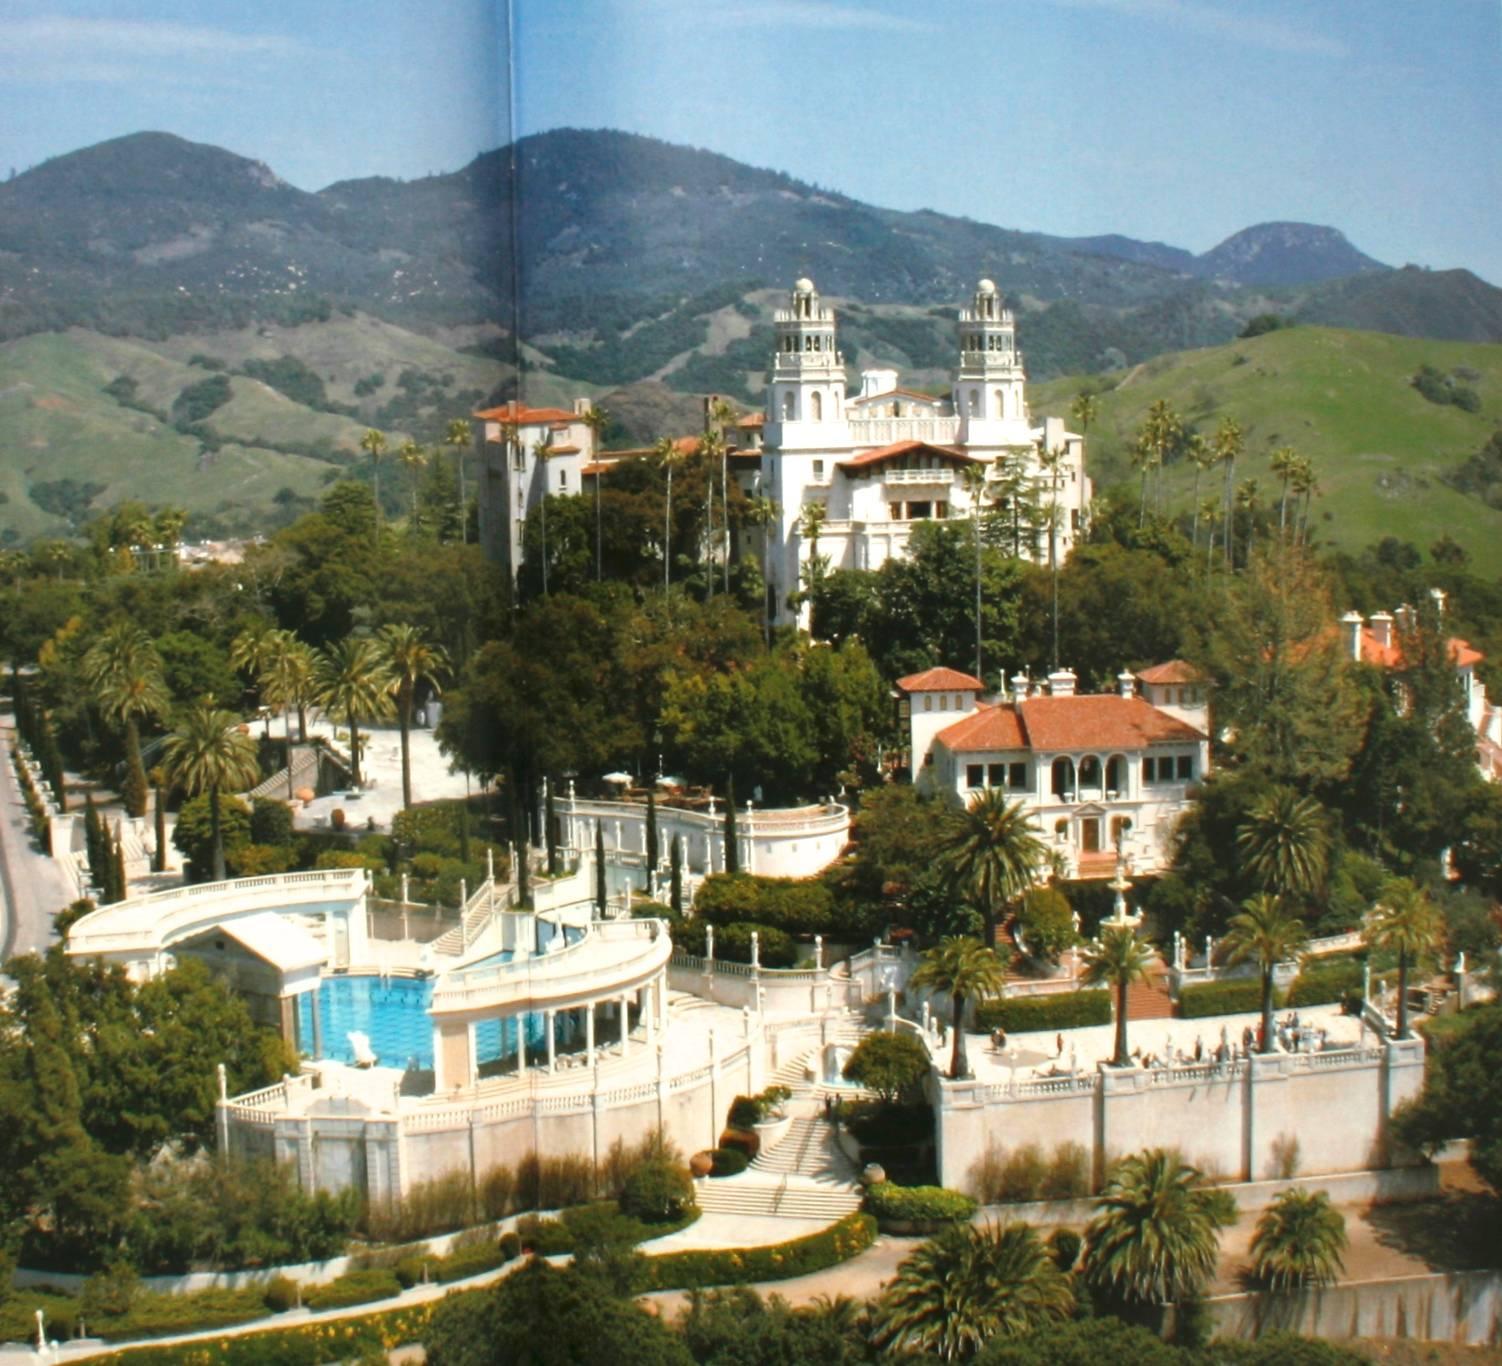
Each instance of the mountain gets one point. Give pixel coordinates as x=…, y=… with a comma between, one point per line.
x=1284, y=254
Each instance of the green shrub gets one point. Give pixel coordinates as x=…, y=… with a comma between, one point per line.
x=354, y=1287
x=1068, y=1174
x=1046, y=921
x=1239, y=996
x=280, y=1294
x=1320, y=983
x=658, y=1191
x=746, y=1111
x=471, y=1261
x=1025, y=1173
x=416, y=1269
x=509, y=1245
x=1064, y=1246
x=1025, y=1014
x=739, y=1266
x=926, y=1205
x=728, y=1162
x=775, y=948
x=894, y=1066
x=270, y=821
x=787, y=904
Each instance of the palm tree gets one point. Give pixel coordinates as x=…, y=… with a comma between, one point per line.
x=763, y=512
x=667, y=453
x=1161, y=431
x=409, y=660
x=967, y=970
x=459, y=435
x=1051, y=461
x=973, y=477
x=251, y=648
x=1406, y=922
x=712, y=448
x=413, y=458
x=1199, y=452
x=1084, y=409
x=1246, y=501
x=1303, y=483
x=1118, y=958
x=170, y=522
x=721, y=413
x=1142, y=457
x=1265, y=933
x=286, y=681
x=373, y=443
x=1299, y=1241
x=1207, y=510
x=596, y=419
x=957, y=1291
x=210, y=753
x=1285, y=843
x=1284, y=461
x=124, y=672
x=1154, y=1238
x=351, y=680
x=994, y=854
x=540, y=451
x=1227, y=446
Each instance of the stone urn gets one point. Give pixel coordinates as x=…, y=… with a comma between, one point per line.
x=700, y=1165
x=873, y=1174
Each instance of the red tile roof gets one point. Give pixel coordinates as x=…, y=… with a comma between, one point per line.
x=1093, y=722
x=751, y=420
x=992, y=727
x=1390, y=656
x=523, y=416
x=940, y=680
x=564, y=450
x=1175, y=671
x=900, y=448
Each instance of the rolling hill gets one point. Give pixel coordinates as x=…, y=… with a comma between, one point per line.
x=1381, y=450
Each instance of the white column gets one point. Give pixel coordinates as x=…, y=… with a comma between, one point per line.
x=589, y=1032
x=662, y=1000
x=649, y=1011
x=625, y=1008
x=521, y=1043
x=552, y=1043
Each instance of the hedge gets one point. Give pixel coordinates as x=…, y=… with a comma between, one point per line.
x=1065, y=1010
x=1240, y=996
x=788, y=904
x=354, y=1287
x=741, y=1266
x=1320, y=983
x=891, y=1203
x=728, y=1162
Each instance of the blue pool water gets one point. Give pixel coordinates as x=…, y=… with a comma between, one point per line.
x=394, y=1013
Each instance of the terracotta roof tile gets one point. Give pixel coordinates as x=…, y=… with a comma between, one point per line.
x=1175, y=671
x=940, y=680
x=1463, y=654
x=992, y=727
x=1104, y=721
x=524, y=416
x=882, y=454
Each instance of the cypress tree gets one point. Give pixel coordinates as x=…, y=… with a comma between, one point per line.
x=121, y=883
x=519, y=834
x=159, y=859
x=675, y=884
x=92, y=842
x=732, y=839
x=599, y=871
x=463, y=810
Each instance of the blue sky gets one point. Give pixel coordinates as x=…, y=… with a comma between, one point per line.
x=1179, y=120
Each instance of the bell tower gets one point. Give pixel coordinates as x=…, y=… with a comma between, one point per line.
x=807, y=389
x=989, y=384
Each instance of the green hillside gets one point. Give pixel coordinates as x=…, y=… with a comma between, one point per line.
x=1345, y=400
x=92, y=420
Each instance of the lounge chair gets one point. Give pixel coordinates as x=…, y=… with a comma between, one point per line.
x=359, y=1043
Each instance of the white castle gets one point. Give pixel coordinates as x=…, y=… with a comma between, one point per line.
x=875, y=464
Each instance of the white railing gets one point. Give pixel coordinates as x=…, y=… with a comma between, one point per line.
x=919, y=477
x=884, y=431
x=730, y=968
x=150, y=922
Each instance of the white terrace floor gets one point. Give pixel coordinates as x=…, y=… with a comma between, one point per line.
x=381, y=770
x=1035, y=1055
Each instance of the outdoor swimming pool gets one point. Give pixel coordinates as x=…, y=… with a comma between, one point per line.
x=393, y=1012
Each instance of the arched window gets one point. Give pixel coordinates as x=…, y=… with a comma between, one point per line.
x=1001, y=403
x=975, y=403
x=1115, y=776
x=1063, y=779
x=789, y=408
x=1090, y=774
x=816, y=402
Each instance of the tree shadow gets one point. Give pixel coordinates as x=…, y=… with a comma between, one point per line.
x=1457, y=1232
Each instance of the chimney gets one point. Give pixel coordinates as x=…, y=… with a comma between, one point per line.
x=1352, y=622
x=1438, y=594
x=1382, y=628
x=1061, y=683
x=1125, y=683
x=1020, y=686
x=1404, y=617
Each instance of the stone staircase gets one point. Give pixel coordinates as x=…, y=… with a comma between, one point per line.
x=304, y=774
x=807, y=1149
x=1149, y=1000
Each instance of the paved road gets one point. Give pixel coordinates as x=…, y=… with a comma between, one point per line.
x=32, y=887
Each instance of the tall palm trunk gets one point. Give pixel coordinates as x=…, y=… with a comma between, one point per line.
x=287, y=732
x=1194, y=534
x=354, y=750
x=959, y=1065
x=725, y=506
x=1121, y=1058
x=599, y=534
x=404, y=719
x=1230, y=514
x=1267, y=1010
x=1402, y=993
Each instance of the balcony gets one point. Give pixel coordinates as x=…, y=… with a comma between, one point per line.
x=925, y=476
